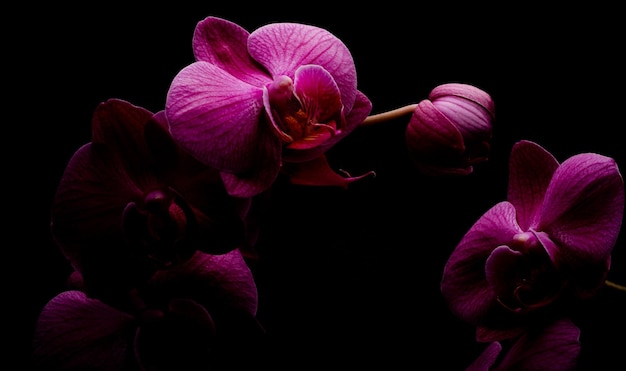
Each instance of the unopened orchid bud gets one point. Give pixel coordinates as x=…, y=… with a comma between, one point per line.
x=451, y=131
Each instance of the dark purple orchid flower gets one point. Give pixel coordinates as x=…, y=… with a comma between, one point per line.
x=551, y=239
x=131, y=201
x=285, y=92
x=553, y=347
x=189, y=317
x=451, y=131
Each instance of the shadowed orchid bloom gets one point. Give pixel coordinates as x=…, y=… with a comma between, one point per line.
x=552, y=239
x=553, y=347
x=194, y=316
x=286, y=92
x=451, y=131
x=130, y=202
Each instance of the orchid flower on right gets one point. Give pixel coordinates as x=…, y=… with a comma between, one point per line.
x=549, y=244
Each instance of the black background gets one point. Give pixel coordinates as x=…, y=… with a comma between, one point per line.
x=346, y=278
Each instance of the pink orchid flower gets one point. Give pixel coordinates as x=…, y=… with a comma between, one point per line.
x=451, y=131
x=552, y=239
x=131, y=201
x=198, y=315
x=286, y=92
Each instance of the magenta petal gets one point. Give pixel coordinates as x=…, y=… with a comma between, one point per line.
x=224, y=44
x=468, y=92
x=464, y=284
x=317, y=172
x=361, y=109
x=555, y=347
x=77, y=333
x=502, y=267
x=583, y=208
x=487, y=358
x=283, y=47
x=215, y=116
x=530, y=170
x=318, y=93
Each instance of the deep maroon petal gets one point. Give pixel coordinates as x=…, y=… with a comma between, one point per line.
x=464, y=284
x=583, y=209
x=283, y=47
x=530, y=170
x=77, y=333
x=224, y=44
x=215, y=116
x=555, y=347
x=207, y=277
x=487, y=358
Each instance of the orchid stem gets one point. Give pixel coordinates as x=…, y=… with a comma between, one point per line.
x=389, y=115
x=614, y=285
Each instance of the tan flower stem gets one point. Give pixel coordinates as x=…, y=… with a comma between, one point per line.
x=389, y=115
x=615, y=285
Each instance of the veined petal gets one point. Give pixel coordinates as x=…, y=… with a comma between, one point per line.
x=554, y=347
x=361, y=109
x=283, y=47
x=487, y=358
x=468, y=92
x=205, y=277
x=73, y=332
x=464, y=284
x=318, y=93
x=215, y=116
x=583, y=208
x=530, y=170
x=224, y=44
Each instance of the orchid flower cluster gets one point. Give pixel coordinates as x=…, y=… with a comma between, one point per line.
x=156, y=214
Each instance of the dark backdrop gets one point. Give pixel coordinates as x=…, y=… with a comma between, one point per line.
x=347, y=278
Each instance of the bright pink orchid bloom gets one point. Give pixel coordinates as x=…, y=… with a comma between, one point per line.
x=194, y=316
x=286, y=92
x=451, y=131
x=131, y=201
x=553, y=347
x=551, y=239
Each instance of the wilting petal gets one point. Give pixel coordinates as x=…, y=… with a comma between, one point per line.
x=215, y=116
x=583, y=209
x=464, y=284
x=552, y=348
x=487, y=358
x=283, y=47
x=224, y=44
x=77, y=333
x=317, y=172
x=530, y=170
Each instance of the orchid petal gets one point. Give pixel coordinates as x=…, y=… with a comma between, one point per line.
x=487, y=358
x=434, y=142
x=317, y=172
x=468, y=92
x=75, y=332
x=464, y=283
x=530, y=170
x=215, y=116
x=318, y=93
x=283, y=47
x=224, y=44
x=555, y=347
x=361, y=109
x=205, y=277
x=583, y=208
